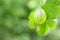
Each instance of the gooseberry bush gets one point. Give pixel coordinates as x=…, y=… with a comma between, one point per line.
x=43, y=18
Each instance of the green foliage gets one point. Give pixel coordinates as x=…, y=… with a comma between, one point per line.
x=44, y=17
x=42, y=2
x=43, y=29
x=51, y=24
x=52, y=7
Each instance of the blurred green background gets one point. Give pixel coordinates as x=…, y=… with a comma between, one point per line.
x=14, y=21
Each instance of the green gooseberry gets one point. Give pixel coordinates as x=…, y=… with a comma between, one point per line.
x=38, y=16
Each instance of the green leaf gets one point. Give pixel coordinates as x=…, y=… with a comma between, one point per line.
x=50, y=11
x=42, y=2
x=53, y=2
x=51, y=24
x=52, y=8
x=57, y=10
x=31, y=24
x=31, y=16
x=43, y=29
